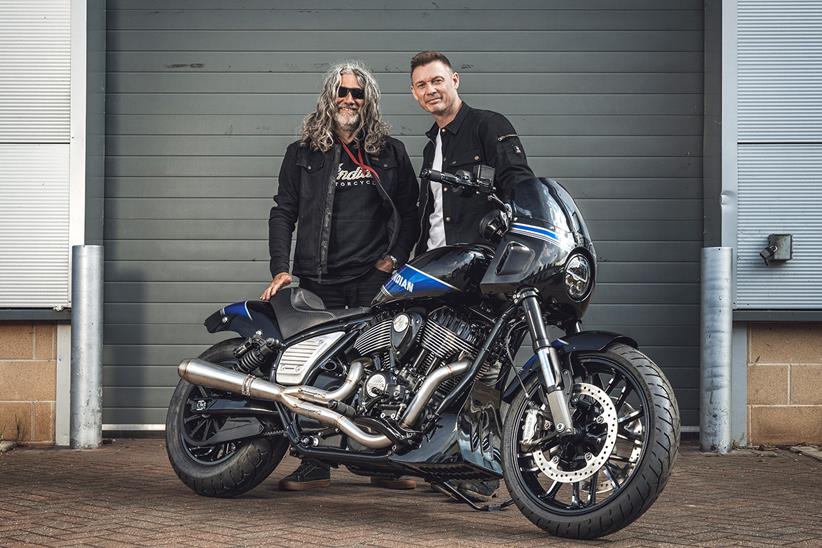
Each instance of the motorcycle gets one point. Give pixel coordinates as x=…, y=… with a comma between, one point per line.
x=415, y=384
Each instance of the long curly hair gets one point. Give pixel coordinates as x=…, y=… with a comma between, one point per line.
x=318, y=126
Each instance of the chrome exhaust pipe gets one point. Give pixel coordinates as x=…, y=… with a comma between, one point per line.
x=209, y=375
x=203, y=373
x=429, y=386
x=318, y=395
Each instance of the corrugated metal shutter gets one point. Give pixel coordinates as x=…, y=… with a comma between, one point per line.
x=34, y=225
x=780, y=151
x=34, y=175
x=780, y=71
x=34, y=71
x=203, y=98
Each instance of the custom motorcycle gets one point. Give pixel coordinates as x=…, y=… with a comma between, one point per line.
x=415, y=384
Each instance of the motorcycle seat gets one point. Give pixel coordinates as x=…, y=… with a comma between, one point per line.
x=298, y=309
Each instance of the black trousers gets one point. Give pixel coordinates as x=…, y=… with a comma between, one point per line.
x=357, y=292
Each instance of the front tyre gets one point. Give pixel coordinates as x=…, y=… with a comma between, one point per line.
x=226, y=469
x=609, y=472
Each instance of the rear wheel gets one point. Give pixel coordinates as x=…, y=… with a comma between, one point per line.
x=610, y=471
x=223, y=469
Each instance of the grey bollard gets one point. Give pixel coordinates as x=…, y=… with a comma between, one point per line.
x=86, y=425
x=715, y=350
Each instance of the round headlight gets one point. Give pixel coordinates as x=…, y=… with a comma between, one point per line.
x=578, y=276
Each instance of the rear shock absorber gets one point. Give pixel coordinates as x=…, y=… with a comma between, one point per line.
x=255, y=352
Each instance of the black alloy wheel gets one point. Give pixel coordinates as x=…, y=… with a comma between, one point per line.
x=626, y=435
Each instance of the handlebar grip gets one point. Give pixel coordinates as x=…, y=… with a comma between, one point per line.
x=440, y=177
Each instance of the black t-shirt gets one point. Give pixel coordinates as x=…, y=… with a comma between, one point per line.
x=359, y=222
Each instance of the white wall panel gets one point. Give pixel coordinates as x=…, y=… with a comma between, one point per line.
x=34, y=71
x=780, y=192
x=780, y=70
x=34, y=202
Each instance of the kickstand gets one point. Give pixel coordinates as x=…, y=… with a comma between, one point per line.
x=462, y=498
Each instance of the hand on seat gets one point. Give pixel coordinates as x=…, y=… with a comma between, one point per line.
x=280, y=280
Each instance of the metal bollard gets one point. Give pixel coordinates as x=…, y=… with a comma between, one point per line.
x=715, y=352
x=86, y=426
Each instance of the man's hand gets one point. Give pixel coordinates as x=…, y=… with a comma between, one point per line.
x=280, y=280
x=385, y=264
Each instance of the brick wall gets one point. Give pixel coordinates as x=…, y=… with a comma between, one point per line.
x=28, y=362
x=785, y=383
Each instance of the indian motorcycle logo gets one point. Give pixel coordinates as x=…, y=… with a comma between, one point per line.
x=402, y=282
x=355, y=177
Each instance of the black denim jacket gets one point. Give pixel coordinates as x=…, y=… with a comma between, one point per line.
x=305, y=196
x=473, y=137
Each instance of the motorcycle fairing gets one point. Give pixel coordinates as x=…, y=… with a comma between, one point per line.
x=245, y=318
x=584, y=341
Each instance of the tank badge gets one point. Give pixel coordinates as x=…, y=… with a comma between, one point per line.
x=412, y=280
x=402, y=282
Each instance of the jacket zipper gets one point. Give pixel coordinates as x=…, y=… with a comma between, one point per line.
x=325, y=233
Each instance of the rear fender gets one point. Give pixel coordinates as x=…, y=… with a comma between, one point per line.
x=245, y=318
x=584, y=341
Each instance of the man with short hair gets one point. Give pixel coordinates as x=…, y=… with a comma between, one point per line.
x=461, y=138
x=351, y=191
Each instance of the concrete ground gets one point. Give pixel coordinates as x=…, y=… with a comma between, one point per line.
x=127, y=494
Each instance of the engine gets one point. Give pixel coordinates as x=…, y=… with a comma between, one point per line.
x=405, y=348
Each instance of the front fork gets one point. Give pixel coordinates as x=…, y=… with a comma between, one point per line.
x=549, y=362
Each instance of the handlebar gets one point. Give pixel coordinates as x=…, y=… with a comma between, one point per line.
x=442, y=177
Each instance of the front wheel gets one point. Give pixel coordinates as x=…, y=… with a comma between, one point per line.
x=223, y=469
x=615, y=464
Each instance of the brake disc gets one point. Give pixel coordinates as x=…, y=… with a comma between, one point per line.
x=552, y=467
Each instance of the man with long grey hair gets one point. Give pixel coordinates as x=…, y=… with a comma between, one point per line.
x=351, y=191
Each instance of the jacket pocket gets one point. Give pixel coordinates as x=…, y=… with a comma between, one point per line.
x=463, y=160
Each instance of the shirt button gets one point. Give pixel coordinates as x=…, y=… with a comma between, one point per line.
x=309, y=168
x=476, y=158
x=448, y=219
x=445, y=189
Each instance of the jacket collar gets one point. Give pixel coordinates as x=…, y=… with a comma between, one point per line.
x=454, y=126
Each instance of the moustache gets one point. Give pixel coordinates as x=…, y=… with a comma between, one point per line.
x=355, y=108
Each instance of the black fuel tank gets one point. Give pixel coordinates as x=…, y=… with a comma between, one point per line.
x=449, y=269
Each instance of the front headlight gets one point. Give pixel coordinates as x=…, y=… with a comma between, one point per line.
x=578, y=276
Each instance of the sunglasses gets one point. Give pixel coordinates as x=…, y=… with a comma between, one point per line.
x=356, y=93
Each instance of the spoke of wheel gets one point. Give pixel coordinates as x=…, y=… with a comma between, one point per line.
x=622, y=397
x=596, y=380
x=609, y=474
x=206, y=432
x=612, y=383
x=193, y=418
x=619, y=458
x=551, y=492
x=576, y=498
x=626, y=434
x=592, y=489
x=202, y=391
x=630, y=417
x=197, y=429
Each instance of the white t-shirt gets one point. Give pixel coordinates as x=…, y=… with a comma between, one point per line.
x=436, y=234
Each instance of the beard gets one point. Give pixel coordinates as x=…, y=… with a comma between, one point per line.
x=347, y=120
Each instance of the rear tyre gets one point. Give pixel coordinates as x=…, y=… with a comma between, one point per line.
x=609, y=473
x=225, y=469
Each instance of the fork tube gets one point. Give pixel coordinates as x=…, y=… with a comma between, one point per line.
x=549, y=363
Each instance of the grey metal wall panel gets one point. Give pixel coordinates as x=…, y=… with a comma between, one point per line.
x=203, y=98
x=779, y=70
x=780, y=192
x=34, y=71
